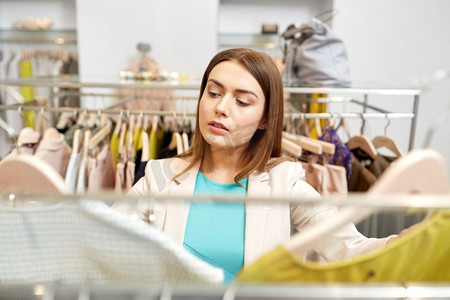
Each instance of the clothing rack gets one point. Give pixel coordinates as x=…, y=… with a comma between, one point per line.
x=111, y=111
x=236, y=290
x=191, y=88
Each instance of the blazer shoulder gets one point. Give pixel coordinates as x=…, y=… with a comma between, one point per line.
x=292, y=169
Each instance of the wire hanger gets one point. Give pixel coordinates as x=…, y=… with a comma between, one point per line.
x=386, y=141
x=362, y=142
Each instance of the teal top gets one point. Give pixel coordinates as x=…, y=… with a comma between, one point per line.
x=215, y=231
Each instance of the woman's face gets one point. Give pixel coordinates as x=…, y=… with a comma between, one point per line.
x=231, y=108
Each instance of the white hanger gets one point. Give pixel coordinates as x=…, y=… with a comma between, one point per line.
x=185, y=139
x=307, y=144
x=76, y=143
x=122, y=146
x=180, y=147
x=118, y=124
x=86, y=139
x=387, y=142
x=26, y=173
x=145, y=146
x=100, y=135
x=145, y=122
x=291, y=147
x=155, y=121
x=318, y=127
x=419, y=171
x=64, y=119
x=362, y=142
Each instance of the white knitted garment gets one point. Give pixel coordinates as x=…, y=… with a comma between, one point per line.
x=87, y=242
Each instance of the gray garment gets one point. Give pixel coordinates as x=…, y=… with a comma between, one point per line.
x=83, y=242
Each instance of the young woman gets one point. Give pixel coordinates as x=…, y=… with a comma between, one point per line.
x=237, y=150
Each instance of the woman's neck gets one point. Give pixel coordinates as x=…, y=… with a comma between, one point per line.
x=221, y=165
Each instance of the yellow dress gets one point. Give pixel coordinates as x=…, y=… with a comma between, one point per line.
x=27, y=91
x=114, y=145
x=422, y=255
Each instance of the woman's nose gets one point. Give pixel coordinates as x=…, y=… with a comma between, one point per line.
x=222, y=107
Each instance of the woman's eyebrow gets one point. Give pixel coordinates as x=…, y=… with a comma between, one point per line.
x=237, y=90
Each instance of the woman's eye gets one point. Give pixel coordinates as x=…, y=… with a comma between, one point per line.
x=214, y=94
x=242, y=103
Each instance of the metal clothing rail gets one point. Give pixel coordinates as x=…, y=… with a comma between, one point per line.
x=350, y=115
x=77, y=110
x=194, y=85
x=112, y=111
x=386, y=202
x=230, y=292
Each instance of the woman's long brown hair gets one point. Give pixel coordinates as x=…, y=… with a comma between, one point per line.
x=265, y=143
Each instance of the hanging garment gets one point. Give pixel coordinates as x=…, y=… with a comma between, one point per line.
x=27, y=91
x=342, y=155
x=130, y=169
x=82, y=176
x=120, y=177
x=27, y=141
x=54, y=150
x=337, y=179
x=361, y=179
x=72, y=170
x=97, y=246
x=114, y=145
x=101, y=171
x=9, y=69
x=376, y=165
x=427, y=247
x=327, y=179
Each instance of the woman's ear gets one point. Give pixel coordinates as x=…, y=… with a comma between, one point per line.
x=262, y=124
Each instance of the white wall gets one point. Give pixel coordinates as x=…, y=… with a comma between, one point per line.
x=237, y=16
x=182, y=34
x=392, y=44
x=61, y=12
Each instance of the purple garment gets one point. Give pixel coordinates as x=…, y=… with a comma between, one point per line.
x=342, y=155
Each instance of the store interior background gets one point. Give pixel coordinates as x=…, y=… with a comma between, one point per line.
x=391, y=44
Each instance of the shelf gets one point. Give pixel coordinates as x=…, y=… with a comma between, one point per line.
x=26, y=36
x=249, y=40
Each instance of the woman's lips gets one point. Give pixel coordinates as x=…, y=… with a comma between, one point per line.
x=217, y=127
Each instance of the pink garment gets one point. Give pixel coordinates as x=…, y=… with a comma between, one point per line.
x=328, y=179
x=27, y=141
x=316, y=176
x=129, y=175
x=56, y=152
x=120, y=177
x=101, y=171
x=337, y=179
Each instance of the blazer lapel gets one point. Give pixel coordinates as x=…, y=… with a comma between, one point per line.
x=256, y=215
x=267, y=223
x=177, y=209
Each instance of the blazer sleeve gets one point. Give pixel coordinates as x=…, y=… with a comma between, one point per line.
x=142, y=186
x=345, y=242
